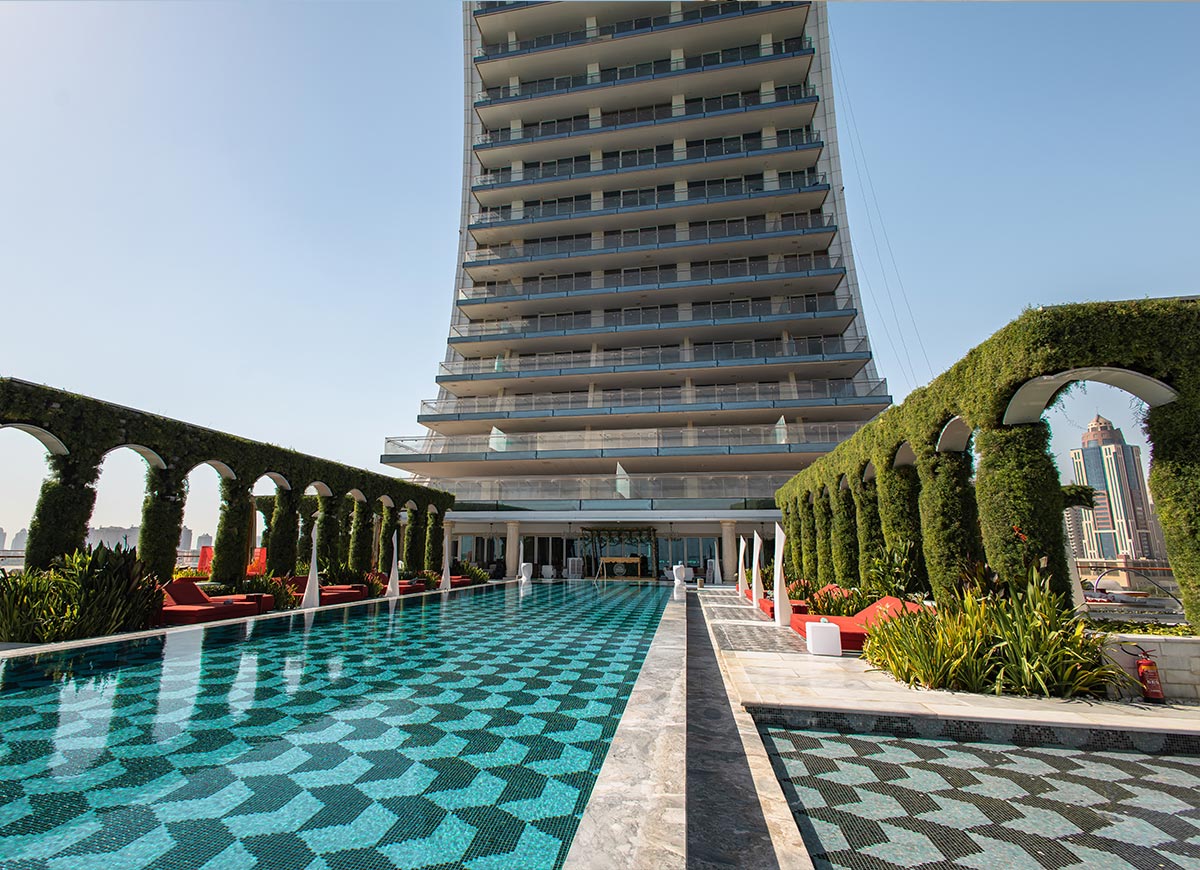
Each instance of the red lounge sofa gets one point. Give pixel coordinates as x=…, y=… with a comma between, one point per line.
x=768, y=606
x=854, y=628
x=343, y=594
x=184, y=603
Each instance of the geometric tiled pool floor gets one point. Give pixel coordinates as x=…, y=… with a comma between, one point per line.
x=465, y=732
x=875, y=801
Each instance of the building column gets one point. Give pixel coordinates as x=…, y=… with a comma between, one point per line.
x=728, y=551
x=512, y=544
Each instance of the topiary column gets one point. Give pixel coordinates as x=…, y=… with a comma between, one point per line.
x=794, y=550
x=899, y=492
x=1021, y=503
x=361, y=526
x=233, y=533
x=327, y=529
x=414, y=539
x=843, y=537
x=285, y=519
x=808, y=539
x=433, y=543
x=64, y=507
x=387, y=525
x=823, y=520
x=1175, y=484
x=870, y=533
x=949, y=520
x=162, y=522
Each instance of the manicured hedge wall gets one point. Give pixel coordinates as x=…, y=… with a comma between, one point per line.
x=89, y=429
x=1017, y=483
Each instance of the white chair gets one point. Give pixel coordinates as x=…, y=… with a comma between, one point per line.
x=575, y=568
x=689, y=575
x=525, y=572
x=547, y=572
x=680, y=574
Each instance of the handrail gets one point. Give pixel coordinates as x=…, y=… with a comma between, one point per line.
x=660, y=276
x=622, y=28
x=650, y=69
x=640, y=397
x=700, y=312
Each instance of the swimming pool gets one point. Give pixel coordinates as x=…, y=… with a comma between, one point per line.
x=465, y=730
x=875, y=801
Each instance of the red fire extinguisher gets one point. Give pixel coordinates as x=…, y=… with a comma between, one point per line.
x=1147, y=673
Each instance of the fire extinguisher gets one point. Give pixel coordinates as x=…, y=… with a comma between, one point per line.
x=1147, y=673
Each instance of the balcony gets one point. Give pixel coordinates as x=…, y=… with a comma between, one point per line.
x=788, y=106
x=780, y=445
x=794, y=150
x=629, y=491
x=706, y=200
x=628, y=27
x=828, y=400
x=726, y=70
x=657, y=285
x=769, y=359
x=800, y=315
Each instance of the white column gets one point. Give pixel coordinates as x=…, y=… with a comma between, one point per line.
x=511, y=543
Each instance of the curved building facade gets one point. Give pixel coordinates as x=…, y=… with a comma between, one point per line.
x=656, y=320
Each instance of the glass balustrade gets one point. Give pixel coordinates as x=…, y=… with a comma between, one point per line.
x=645, y=24
x=701, y=312
x=645, y=114
x=646, y=397
x=650, y=439
x=648, y=69
x=639, y=356
x=633, y=486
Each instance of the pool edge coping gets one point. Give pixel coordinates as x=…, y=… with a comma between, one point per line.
x=791, y=852
x=636, y=815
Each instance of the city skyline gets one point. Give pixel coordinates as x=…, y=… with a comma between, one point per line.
x=143, y=242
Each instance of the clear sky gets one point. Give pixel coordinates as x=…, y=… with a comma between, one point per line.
x=246, y=215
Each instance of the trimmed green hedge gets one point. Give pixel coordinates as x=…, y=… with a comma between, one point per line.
x=1017, y=482
x=90, y=429
x=843, y=544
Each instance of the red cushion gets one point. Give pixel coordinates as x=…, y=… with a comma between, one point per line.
x=406, y=588
x=262, y=600
x=190, y=614
x=885, y=608
x=460, y=582
x=186, y=592
x=341, y=596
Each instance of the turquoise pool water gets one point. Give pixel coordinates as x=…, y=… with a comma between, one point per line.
x=464, y=731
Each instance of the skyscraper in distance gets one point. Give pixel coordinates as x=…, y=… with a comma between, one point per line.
x=656, y=318
x=1121, y=522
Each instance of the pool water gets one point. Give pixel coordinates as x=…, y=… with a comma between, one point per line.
x=875, y=801
x=444, y=731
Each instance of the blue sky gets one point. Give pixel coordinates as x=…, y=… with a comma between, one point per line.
x=246, y=215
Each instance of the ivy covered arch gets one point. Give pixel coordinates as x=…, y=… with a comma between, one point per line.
x=78, y=431
x=993, y=400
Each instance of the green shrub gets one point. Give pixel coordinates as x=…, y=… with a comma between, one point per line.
x=1029, y=643
x=800, y=589
x=285, y=598
x=37, y=607
x=1126, y=626
x=116, y=593
x=466, y=569
x=840, y=603
x=893, y=571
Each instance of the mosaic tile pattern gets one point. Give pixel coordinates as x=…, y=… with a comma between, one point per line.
x=875, y=801
x=448, y=731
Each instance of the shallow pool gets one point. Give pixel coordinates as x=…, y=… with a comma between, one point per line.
x=876, y=801
x=436, y=732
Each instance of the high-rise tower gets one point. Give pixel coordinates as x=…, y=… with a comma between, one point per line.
x=1121, y=522
x=656, y=317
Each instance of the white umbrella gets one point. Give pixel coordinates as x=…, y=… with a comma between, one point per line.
x=446, y=561
x=756, y=570
x=312, y=591
x=741, y=574
x=393, y=587
x=783, y=605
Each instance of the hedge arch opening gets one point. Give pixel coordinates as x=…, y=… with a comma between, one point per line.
x=120, y=493
x=955, y=436
x=49, y=440
x=25, y=453
x=1030, y=400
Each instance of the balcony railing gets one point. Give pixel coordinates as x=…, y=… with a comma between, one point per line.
x=564, y=171
x=644, y=397
x=614, y=201
x=645, y=115
x=660, y=277
x=726, y=487
x=717, y=352
x=621, y=439
x=649, y=69
x=701, y=312
x=620, y=28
